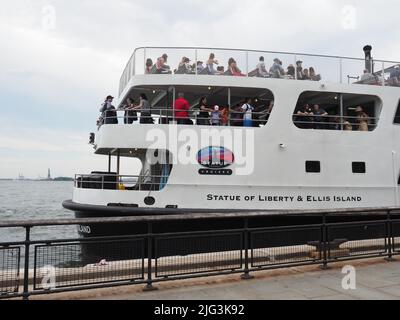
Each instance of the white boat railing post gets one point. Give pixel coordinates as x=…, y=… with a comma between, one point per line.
x=173, y=103
x=144, y=60
x=383, y=73
x=247, y=63
x=195, y=60
x=341, y=111
x=134, y=63
x=229, y=97
x=295, y=66
x=341, y=70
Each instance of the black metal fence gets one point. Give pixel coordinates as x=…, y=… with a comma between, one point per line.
x=50, y=266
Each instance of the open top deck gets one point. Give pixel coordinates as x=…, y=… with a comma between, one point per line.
x=337, y=69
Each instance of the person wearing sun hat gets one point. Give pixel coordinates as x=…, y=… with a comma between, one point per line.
x=363, y=119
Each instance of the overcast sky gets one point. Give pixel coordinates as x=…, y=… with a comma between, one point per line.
x=59, y=59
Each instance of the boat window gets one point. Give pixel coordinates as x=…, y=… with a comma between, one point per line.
x=397, y=116
x=313, y=166
x=337, y=111
x=359, y=167
x=132, y=170
x=224, y=106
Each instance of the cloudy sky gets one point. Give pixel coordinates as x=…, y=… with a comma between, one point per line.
x=59, y=59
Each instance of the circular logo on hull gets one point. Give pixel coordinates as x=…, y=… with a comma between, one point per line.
x=215, y=159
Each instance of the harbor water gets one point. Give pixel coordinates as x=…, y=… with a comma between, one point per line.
x=33, y=200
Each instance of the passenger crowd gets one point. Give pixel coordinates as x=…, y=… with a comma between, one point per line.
x=213, y=67
x=244, y=114
x=315, y=117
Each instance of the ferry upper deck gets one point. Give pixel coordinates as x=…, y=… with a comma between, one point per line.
x=194, y=62
x=340, y=86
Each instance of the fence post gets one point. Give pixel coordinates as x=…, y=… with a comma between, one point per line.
x=26, y=266
x=149, y=286
x=324, y=243
x=246, y=275
x=390, y=243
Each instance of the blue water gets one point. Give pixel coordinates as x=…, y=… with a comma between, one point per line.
x=33, y=200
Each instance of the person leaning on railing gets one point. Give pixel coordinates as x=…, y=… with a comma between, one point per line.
x=108, y=112
x=303, y=117
x=130, y=113
x=203, y=118
x=225, y=113
x=319, y=117
x=145, y=110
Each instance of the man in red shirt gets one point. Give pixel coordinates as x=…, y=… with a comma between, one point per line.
x=182, y=107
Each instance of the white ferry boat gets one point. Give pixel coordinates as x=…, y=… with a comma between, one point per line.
x=325, y=140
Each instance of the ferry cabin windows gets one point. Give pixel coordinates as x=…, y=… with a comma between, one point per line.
x=359, y=167
x=337, y=111
x=313, y=166
x=397, y=116
x=165, y=110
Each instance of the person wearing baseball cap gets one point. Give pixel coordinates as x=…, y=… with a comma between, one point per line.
x=108, y=111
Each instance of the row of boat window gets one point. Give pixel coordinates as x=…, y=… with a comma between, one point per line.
x=314, y=110
x=315, y=167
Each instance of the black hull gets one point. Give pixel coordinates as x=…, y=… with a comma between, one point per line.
x=177, y=226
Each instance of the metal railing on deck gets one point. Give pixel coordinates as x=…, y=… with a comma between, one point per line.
x=166, y=116
x=235, y=118
x=104, y=181
x=330, y=68
x=335, y=122
x=53, y=266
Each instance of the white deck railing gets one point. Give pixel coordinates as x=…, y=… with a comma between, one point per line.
x=330, y=68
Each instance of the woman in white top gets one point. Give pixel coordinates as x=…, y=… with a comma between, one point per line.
x=247, y=108
x=210, y=64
